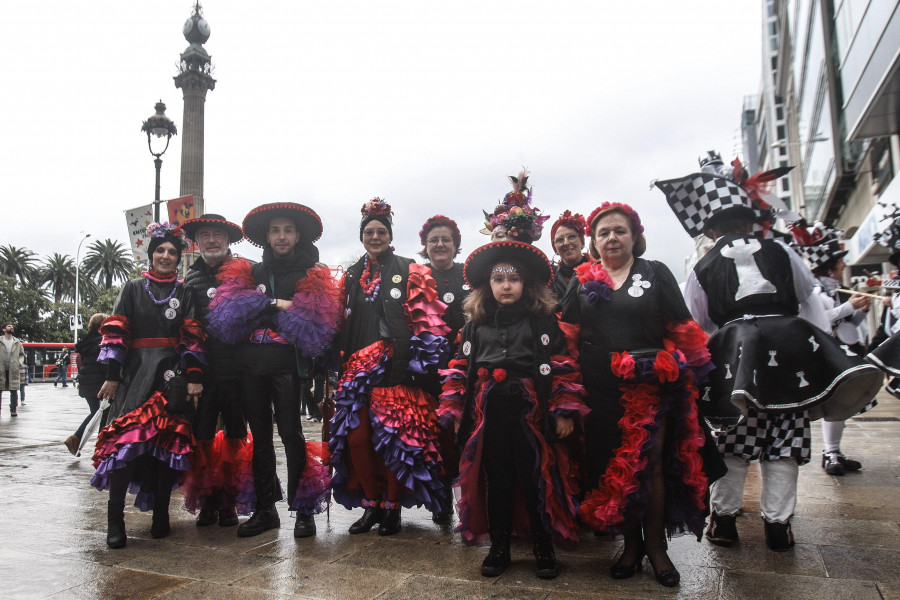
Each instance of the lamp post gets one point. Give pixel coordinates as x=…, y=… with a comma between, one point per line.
x=77, y=265
x=161, y=127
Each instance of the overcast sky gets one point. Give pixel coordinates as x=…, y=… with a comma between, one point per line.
x=429, y=105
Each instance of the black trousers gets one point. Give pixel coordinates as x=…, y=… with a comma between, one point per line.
x=221, y=395
x=262, y=394
x=509, y=460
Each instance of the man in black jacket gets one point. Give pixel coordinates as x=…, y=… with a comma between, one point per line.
x=214, y=497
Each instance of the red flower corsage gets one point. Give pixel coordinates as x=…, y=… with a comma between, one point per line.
x=482, y=374
x=666, y=367
x=623, y=365
x=499, y=375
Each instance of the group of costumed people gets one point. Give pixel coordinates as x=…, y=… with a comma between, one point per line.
x=542, y=398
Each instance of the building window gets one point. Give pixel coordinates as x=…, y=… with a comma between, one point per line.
x=779, y=113
x=785, y=185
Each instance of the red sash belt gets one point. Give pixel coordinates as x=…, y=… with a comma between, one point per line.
x=154, y=343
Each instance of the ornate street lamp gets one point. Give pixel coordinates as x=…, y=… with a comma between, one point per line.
x=161, y=127
x=77, y=264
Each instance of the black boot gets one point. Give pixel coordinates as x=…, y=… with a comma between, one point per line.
x=305, y=526
x=115, y=525
x=262, y=520
x=545, y=557
x=206, y=517
x=390, y=524
x=371, y=517
x=160, y=526
x=498, y=558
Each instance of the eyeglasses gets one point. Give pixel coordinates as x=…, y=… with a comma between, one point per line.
x=374, y=232
x=569, y=239
x=439, y=240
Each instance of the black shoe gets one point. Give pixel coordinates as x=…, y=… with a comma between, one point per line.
x=371, y=517
x=669, y=577
x=779, y=537
x=260, y=521
x=848, y=463
x=390, y=524
x=160, y=526
x=722, y=529
x=498, y=558
x=115, y=525
x=206, y=517
x=832, y=464
x=545, y=557
x=228, y=518
x=621, y=570
x=305, y=526
x=13, y=413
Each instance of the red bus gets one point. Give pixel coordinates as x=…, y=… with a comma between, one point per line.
x=40, y=358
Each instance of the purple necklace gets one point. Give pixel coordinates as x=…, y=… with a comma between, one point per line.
x=164, y=300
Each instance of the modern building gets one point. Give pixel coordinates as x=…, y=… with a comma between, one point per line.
x=829, y=103
x=195, y=80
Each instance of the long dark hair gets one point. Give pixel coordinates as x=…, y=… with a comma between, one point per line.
x=538, y=299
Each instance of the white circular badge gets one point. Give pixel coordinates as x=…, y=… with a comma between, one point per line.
x=396, y=279
x=448, y=297
x=545, y=369
x=170, y=313
x=174, y=302
x=636, y=292
x=395, y=293
x=168, y=374
x=210, y=292
x=467, y=287
x=261, y=287
x=467, y=348
x=545, y=339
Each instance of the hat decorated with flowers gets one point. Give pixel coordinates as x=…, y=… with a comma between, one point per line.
x=160, y=233
x=523, y=221
x=377, y=209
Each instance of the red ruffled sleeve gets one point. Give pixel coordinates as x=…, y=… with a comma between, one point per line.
x=453, y=392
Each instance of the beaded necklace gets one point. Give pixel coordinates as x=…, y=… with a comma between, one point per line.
x=151, y=275
x=371, y=288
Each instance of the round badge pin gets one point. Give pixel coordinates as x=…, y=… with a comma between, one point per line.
x=467, y=348
x=448, y=297
x=168, y=374
x=636, y=292
x=545, y=369
x=545, y=339
x=396, y=279
x=174, y=302
x=395, y=293
x=261, y=287
x=467, y=287
x=210, y=292
x=170, y=313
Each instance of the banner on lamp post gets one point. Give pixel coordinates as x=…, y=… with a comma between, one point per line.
x=137, y=220
x=180, y=209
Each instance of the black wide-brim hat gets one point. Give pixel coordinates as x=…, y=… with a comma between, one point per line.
x=190, y=227
x=256, y=223
x=477, y=269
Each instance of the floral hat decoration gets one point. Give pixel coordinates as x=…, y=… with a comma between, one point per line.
x=378, y=210
x=165, y=232
x=523, y=222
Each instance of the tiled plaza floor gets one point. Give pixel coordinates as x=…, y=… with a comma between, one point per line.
x=53, y=538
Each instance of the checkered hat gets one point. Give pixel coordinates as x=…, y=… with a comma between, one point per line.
x=697, y=198
x=818, y=254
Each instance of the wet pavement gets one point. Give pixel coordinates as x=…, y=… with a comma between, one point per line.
x=53, y=527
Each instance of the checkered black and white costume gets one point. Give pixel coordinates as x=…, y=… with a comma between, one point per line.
x=764, y=436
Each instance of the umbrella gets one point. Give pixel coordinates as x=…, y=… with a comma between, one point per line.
x=92, y=425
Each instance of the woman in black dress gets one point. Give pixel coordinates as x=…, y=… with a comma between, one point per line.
x=91, y=376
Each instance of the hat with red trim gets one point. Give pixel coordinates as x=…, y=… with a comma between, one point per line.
x=818, y=245
x=478, y=266
x=190, y=227
x=256, y=223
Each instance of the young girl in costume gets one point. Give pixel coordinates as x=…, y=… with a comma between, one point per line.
x=513, y=392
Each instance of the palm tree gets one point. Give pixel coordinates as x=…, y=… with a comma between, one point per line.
x=109, y=260
x=19, y=263
x=59, y=273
